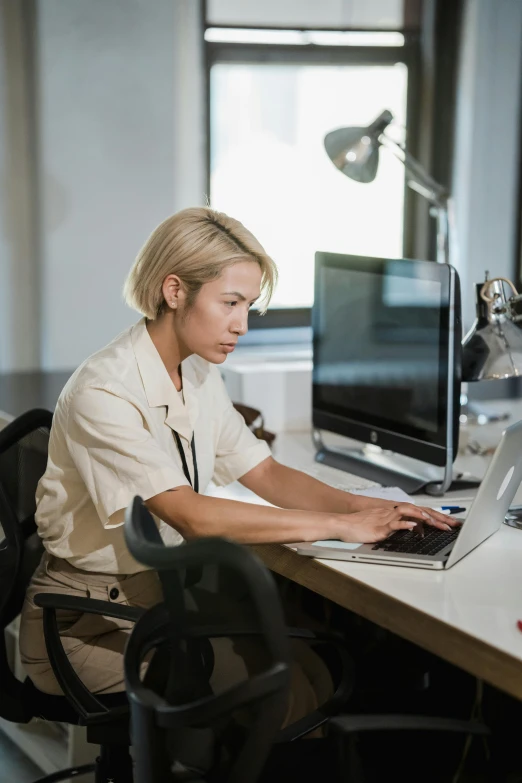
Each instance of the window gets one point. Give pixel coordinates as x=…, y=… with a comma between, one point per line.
x=273, y=96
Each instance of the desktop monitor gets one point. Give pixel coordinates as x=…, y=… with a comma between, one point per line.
x=386, y=366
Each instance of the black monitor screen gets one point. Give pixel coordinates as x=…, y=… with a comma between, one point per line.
x=381, y=343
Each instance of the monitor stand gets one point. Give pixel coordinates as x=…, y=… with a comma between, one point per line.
x=392, y=470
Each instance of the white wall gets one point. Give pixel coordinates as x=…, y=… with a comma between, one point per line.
x=109, y=124
x=487, y=143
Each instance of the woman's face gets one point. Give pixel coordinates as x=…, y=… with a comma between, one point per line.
x=219, y=314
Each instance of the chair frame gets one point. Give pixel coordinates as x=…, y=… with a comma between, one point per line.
x=21, y=701
x=149, y=712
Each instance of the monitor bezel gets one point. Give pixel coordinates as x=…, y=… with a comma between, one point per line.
x=427, y=446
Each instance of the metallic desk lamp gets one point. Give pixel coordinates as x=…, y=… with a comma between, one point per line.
x=355, y=152
x=492, y=348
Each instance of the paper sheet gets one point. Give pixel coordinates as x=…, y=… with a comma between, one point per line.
x=385, y=493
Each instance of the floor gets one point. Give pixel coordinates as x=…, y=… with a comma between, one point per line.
x=14, y=765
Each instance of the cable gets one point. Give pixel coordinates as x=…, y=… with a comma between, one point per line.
x=476, y=714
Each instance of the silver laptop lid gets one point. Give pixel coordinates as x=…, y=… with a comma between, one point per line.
x=494, y=496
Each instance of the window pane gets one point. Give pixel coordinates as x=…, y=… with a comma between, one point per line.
x=372, y=14
x=248, y=35
x=270, y=170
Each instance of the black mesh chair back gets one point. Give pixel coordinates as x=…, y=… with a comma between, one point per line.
x=23, y=459
x=164, y=722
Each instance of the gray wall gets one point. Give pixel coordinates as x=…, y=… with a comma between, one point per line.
x=19, y=268
x=107, y=123
x=487, y=143
x=101, y=138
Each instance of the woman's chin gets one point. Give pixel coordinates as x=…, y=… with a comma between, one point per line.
x=214, y=356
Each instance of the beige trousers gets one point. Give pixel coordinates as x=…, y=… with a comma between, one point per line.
x=95, y=644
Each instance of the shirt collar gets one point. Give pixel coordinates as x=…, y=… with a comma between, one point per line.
x=159, y=388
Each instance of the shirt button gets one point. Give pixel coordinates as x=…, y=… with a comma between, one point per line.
x=114, y=593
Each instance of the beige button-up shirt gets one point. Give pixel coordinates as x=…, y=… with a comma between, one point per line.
x=112, y=438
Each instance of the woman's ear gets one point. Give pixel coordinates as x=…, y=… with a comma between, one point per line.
x=173, y=292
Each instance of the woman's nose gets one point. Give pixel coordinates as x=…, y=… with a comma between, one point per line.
x=241, y=324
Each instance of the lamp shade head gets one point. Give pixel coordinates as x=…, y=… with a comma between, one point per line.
x=355, y=151
x=492, y=349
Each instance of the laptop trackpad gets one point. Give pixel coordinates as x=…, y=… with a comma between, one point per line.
x=337, y=545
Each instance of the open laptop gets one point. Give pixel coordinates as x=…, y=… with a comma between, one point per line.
x=439, y=549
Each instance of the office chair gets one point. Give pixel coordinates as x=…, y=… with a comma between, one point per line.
x=23, y=458
x=166, y=726
x=189, y=705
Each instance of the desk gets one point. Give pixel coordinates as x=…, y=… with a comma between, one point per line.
x=467, y=615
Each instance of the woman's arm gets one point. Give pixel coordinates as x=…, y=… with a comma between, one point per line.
x=289, y=488
x=196, y=515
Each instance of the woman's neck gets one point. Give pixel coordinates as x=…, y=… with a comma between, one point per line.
x=161, y=332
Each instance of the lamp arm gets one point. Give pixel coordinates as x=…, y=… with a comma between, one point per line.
x=420, y=180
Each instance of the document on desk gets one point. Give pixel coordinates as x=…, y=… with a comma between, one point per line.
x=385, y=493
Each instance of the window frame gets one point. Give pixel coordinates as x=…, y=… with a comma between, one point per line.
x=314, y=54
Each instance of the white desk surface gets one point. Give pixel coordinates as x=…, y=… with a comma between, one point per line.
x=467, y=614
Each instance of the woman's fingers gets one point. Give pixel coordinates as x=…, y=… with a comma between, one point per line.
x=439, y=517
x=416, y=512
x=428, y=515
x=386, y=527
x=400, y=524
x=435, y=523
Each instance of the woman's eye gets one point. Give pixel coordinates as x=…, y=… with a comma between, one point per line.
x=231, y=304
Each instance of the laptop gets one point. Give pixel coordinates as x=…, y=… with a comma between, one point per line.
x=439, y=549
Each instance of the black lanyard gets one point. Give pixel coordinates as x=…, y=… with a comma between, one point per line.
x=193, y=575
x=195, y=485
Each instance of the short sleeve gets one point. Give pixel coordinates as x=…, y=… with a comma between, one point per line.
x=238, y=450
x=115, y=455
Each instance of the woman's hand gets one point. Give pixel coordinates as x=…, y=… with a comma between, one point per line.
x=377, y=523
x=430, y=517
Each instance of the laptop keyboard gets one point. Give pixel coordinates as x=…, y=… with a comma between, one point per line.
x=408, y=541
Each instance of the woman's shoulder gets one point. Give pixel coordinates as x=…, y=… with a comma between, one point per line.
x=112, y=368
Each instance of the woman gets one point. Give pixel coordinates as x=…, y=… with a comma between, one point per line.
x=149, y=415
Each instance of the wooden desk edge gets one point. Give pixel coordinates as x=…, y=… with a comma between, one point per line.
x=454, y=645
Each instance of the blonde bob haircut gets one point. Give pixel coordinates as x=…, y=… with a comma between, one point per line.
x=195, y=244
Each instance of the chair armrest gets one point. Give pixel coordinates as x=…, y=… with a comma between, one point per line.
x=348, y=724
x=24, y=425
x=85, y=703
x=343, y=691
x=353, y=724
x=88, y=605
x=344, y=687
x=300, y=728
